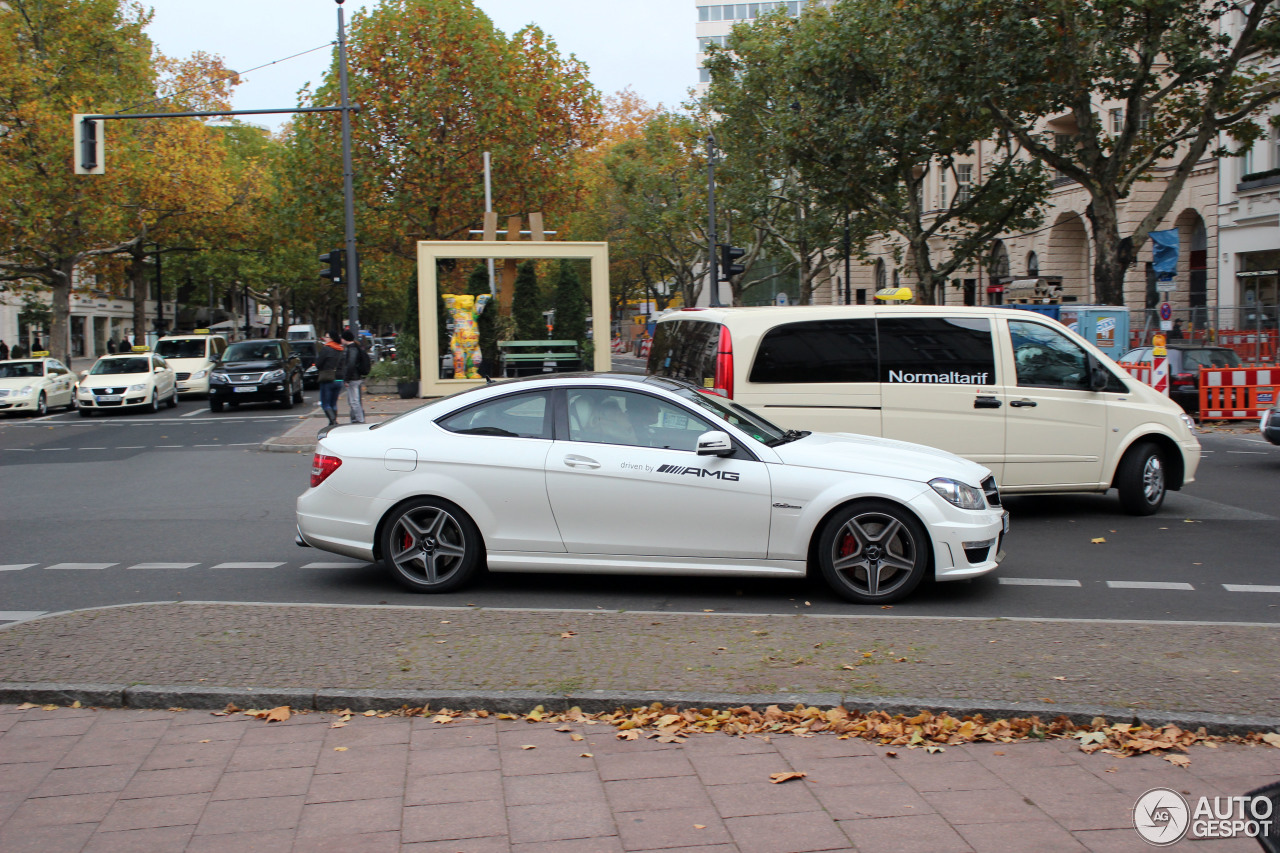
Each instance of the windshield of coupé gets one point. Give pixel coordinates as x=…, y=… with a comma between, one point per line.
x=731, y=413
x=21, y=369
x=117, y=366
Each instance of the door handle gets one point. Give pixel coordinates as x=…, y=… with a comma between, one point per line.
x=1023, y=404
x=581, y=462
x=985, y=402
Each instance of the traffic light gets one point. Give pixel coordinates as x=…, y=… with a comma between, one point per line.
x=337, y=261
x=728, y=262
x=90, y=145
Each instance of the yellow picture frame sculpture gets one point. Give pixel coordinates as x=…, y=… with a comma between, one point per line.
x=431, y=251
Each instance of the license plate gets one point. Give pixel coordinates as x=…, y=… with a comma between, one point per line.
x=110, y=398
x=1006, y=522
x=246, y=389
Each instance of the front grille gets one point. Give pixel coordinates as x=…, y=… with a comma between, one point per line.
x=4, y=392
x=976, y=555
x=992, y=491
x=108, y=390
x=246, y=377
x=183, y=377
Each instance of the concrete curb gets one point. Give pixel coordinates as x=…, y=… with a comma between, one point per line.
x=519, y=702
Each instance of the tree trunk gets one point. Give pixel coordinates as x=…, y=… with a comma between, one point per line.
x=1111, y=254
x=59, y=342
x=138, y=282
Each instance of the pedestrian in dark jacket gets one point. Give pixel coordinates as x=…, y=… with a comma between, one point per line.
x=355, y=369
x=4, y=351
x=329, y=369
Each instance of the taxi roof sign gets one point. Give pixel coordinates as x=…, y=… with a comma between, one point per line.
x=44, y=353
x=894, y=294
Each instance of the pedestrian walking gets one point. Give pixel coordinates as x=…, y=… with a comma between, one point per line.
x=111, y=346
x=35, y=344
x=355, y=369
x=1175, y=334
x=329, y=360
x=125, y=346
x=4, y=350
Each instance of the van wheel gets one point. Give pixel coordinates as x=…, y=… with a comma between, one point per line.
x=1140, y=479
x=172, y=402
x=431, y=546
x=873, y=552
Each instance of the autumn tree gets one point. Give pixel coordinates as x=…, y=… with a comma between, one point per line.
x=662, y=191
x=861, y=120
x=1183, y=74
x=63, y=57
x=438, y=85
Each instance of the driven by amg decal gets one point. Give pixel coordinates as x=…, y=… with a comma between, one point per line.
x=697, y=472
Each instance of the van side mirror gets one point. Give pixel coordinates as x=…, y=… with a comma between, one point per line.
x=715, y=443
x=1098, y=375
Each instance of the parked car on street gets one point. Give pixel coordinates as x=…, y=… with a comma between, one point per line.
x=627, y=474
x=1270, y=425
x=130, y=379
x=1185, y=360
x=308, y=351
x=35, y=385
x=256, y=371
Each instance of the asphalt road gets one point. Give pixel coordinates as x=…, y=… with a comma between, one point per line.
x=182, y=505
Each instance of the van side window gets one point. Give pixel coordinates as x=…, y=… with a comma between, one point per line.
x=818, y=351
x=936, y=351
x=1046, y=358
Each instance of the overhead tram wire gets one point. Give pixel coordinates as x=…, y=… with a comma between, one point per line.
x=227, y=77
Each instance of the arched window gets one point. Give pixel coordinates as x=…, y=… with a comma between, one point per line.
x=1033, y=265
x=881, y=276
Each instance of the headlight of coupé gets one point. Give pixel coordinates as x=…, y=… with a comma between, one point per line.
x=959, y=494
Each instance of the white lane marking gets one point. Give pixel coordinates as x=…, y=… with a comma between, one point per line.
x=93, y=448
x=1250, y=452
x=1249, y=587
x=192, y=413
x=21, y=449
x=20, y=615
x=80, y=566
x=16, y=567
x=163, y=565
x=132, y=447
x=247, y=565
x=1149, y=585
x=169, y=446
x=55, y=448
x=1039, y=582
x=245, y=444
x=334, y=565
x=206, y=445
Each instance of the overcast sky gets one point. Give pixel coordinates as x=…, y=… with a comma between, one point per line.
x=648, y=45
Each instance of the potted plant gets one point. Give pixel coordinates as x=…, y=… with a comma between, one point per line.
x=401, y=372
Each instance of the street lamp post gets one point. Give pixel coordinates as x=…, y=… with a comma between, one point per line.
x=348, y=203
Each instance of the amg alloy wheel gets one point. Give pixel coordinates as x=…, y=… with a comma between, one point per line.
x=431, y=546
x=873, y=552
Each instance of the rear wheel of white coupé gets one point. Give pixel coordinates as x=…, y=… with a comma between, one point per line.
x=873, y=552
x=430, y=545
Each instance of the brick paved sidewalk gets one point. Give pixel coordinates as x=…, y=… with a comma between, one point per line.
x=97, y=781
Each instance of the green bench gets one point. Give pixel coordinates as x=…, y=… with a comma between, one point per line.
x=522, y=358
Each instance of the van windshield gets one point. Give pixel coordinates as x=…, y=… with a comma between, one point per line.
x=180, y=348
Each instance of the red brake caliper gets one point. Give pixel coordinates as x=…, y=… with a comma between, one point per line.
x=848, y=545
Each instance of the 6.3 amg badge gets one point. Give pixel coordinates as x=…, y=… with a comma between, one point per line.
x=697, y=472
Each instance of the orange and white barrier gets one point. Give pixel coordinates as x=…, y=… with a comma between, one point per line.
x=643, y=347
x=1228, y=393
x=1139, y=370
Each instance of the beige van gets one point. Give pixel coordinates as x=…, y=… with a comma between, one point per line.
x=1013, y=390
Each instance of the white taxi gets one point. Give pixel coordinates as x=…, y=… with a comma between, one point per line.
x=139, y=378
x=643, y=475
x=192, y=358
x=35, y=385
